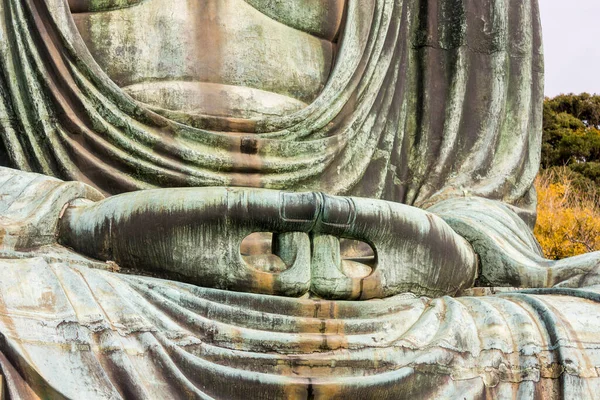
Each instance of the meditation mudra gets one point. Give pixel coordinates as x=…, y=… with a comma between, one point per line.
x=305, y=199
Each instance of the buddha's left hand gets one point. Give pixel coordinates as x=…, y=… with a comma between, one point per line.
x=415, y=251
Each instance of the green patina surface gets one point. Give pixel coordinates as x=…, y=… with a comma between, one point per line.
x=381, y=153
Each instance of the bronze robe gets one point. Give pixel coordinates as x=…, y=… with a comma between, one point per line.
x=435, y=104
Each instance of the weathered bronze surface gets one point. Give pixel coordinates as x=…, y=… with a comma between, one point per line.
x=231, y=58
x=312, y=199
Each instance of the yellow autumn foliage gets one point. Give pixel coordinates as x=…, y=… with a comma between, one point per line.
x=568, y=219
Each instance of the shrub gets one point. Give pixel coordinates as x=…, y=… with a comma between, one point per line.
x=568, y=213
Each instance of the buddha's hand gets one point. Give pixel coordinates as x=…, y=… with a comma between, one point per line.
x=415, y=251
x=194, y=235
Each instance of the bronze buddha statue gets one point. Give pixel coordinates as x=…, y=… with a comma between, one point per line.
x=379, y=153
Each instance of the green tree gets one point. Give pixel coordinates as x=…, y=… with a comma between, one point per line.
x=571, y=138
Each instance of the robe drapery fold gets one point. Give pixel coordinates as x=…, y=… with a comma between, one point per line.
x=427, y=101
x=71, y=327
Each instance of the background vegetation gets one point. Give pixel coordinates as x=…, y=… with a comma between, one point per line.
x=569, y=182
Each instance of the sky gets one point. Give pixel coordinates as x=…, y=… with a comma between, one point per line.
x=571, y=31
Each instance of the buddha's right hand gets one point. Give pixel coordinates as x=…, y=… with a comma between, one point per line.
x=194, y=235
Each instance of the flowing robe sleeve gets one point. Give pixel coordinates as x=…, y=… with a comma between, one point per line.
x=509, y=253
